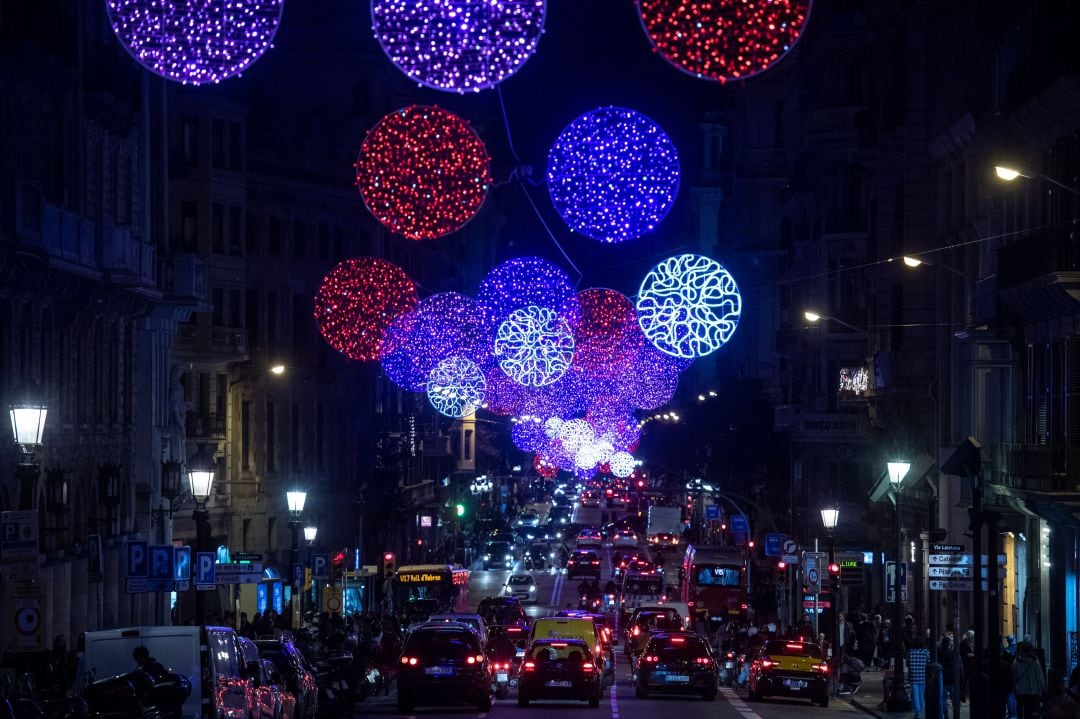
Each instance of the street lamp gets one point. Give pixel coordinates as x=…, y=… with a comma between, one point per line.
x=1009, y=174
x=295, y=499
x=170, y=490
x=898, y=699
x=830, y=516
x=56, y=491
x=27, y=427
x=200, y=469
x=310, y=532
x=812, y=316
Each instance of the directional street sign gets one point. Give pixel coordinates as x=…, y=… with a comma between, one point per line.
x=237, y=573
x=942, y=572
x=951, y=568
x=950, y=548
x=740, y=524
x=952, y=585
x=247, y=557
x=143, y=585
x=774, y=544
x=963, y=559
x=890, y=581
x=712, y=511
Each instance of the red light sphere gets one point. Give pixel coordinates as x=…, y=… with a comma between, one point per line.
x=423, y=172
x=358, y=300
x=544, y=467
x=607, y=336
x=723, y=40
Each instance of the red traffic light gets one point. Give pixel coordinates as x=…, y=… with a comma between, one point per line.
x=834, y=568
x=641, y=483
x=388, y=557
x=750, y=544
x=781, y=565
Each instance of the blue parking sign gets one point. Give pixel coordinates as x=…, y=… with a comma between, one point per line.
x=740, y=524
x=182, y=563
x=161, y=561
x=137, y=559
x=320, y=566
x=205, y=570
x=712, y=511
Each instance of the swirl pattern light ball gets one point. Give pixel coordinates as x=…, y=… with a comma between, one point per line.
x=195, y=42
x=423, y=172
x=689, y=306
x=456, y=387
x=358, y=300
x=575, y=434
x=458, y=45
x=552, y=426
x=621, y=464
x=442, y=325
x=613, y=174
x=723, y=40
x=522, y=282
x=534, y=346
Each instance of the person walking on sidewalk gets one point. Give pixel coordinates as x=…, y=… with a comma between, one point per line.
x=967, y=662
x=917, y=659
x=1029, y=684
x=948, y=660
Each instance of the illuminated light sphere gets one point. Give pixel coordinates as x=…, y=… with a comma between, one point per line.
x=528, y=435
x=525, y=282
x=456, y=387
x=504, y=395
x=603, y=450
x=423, y=172
x=195, y=42
x=650, y=380
x=575, y=434
x=586, y=457
x=688, y=306
x=458, y=45
x=534, y=346
x=613, y=174
x=441, y=326
x=622, y=464
x=552, y=426
x=607, y=333
x=563, y=398
x=357, y=302
x=723, y=40
x=544, y=467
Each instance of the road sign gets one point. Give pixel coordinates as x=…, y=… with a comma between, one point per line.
x=740, y=524
x=791, y=546
x=790, y=558
x=297, y=574
x=952, y=585
x=94, y=559
x=205, y=571
x=945, y=572
x=144, y=585
x=237, y=573
x=963, y=559
x=26, y=617
x=138, y=564
x=890, y=581
x=823, y=601
x=161, y=561
x=774, y=544
x=814, y=563
x=320, y=565
x=18, y=536
x=425, y=520
x=949, y=548
x=712, y=511
x=182, y=563
x=246, y=557
x=332, y=599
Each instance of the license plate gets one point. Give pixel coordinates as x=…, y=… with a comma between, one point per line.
x=520, y=653
x=562, y=684
x=439, y=671
x=677, y=678
x=795, y=684
x=502, y=677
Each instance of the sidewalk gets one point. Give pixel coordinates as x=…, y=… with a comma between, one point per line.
x=869, y=699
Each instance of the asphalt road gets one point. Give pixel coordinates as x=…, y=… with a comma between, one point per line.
x=554, y=592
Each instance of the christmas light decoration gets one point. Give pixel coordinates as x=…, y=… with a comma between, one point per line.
x=504, y=395
x=544, y=467
x=723, y=39
x=575, y=434
x=562, y=398
x=195, y=42
x=528, y=435
x=688, y=306
x=608, y=333
x=522, y=282
x=613, y=174
x=621, y=464
x=423, y=172
x=552, y=426
x=456, y=387
x=357, y=302
x=442, y=325
x=586, y=457
x=534, y=346
x=458, y=45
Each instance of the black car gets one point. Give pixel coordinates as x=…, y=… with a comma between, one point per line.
x=559, y=669
x=296, y=671
x=676, y=662
x=502, y=610
x=499, y=554
x=443, y=664
x=583, y=563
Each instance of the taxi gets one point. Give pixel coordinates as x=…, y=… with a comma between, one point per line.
x=790, y=669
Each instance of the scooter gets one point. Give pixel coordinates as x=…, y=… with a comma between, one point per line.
x=502, y=675
x=729, y=668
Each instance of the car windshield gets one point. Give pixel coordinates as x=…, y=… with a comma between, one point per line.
x=717, y=576
x=557, y=651
x=472, y=622
x=666, y=619
x=522, y=579
x=793, y=649
x=677, y=647
x=647, y=586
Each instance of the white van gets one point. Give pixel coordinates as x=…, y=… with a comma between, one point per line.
x=209, y=657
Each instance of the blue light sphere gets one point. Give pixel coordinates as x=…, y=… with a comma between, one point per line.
x=195, y=42
x=528, y=434
x=526, y=281
x=456, y=387
x=613, y=174
x=441, y=326
x=458, y=45
x=534, y=346
x=688, y=306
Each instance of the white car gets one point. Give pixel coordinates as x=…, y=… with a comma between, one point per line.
x=624, y=538
x=521, y=587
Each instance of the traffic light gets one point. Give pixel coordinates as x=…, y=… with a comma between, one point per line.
x=389, y=565
x=337, y=566
x=459, y=508
x=834, y=569
x=781, y=565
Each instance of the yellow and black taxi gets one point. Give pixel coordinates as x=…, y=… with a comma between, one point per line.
x=790, y=669
x=443, y=664
x=644, y=620
x=559, y=669
x=676, y=662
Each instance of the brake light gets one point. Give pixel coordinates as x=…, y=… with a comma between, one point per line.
x=411, y=661
x=559, y=644
x=678, y=640
x=471, y=660
x=689, y=604
x=823, y=668
x=766, y=663
x=703, y=660
x=794, y=646
x=650, y=658
x=587, y=666
x=513, y=629
x=637, y=630
x=744, y=606
x=529, y=666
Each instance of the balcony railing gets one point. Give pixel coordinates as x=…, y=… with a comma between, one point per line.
x=205, y=426
x=1041, y=468
x=1043, y=252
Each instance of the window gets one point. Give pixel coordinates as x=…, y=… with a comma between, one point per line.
x=217, y=227
x=294, y=449
x=189, y=140
x=222, y=396
x=251, y=315
x=234, y=231
x=271, y=526
x=235, y=148
x=251, y=233
x=246, y=533
x=713, y=576
x=468, y=444
x=218, y=145
x=245, y=439
x=271, y=431
x=223, y=654
x=274, y=237
x=234, y=308
x=53, y=146
x=299, y=240
x=271, y=319
x=217, y=297
x=189, y=226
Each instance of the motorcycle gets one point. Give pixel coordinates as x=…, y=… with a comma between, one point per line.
x=502, y=675
x=729, y=668
x=137, y=694
x=591, y=604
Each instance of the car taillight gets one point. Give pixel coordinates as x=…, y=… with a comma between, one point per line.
x=587, y=666
x=470, y=660
x=637, y=630
x=730, y=655
x=766, y=663
x=823, y=668
x=411, y=661
x=650, y=658
x=528, y=666
x=703, y=660
x=596, y=561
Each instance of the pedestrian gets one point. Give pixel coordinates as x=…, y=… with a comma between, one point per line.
x=866, y=640
x=884, y=640
x=917, y=659
x=1029, y=684
x=967, y=662
x=948, y=660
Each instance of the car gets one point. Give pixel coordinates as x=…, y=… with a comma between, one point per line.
x=647, y=619
x=559, y=669
x=790, y=669
x=588, y=538
x=443, y=664
x=583, y=563
x=521, y=587
x=538, y=556
x=295, y=670
x=664, y=540
x=606, y=635
x=528, y=518
x=590, y=499
x=676, y=662
x=472, y=621
x=499, y=554
x=501, y=610
x=272, y=698
x=625, y=538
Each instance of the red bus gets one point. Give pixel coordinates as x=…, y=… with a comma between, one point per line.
x=715, y=583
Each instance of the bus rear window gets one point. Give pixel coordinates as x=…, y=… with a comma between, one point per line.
x=713, y=576
x=643, y=586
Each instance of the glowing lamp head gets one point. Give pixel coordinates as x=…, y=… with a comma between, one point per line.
x=310, y=533
x=912, y=261
x=278, y=369
x=829, y=517
x=28, y=420
x=201, y=467
x=897, y=472
x=296, y=499
x=811, y=316
x=1008, y=174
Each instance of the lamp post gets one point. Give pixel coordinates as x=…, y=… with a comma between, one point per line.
x=310, y=532
x=295, y=499
x=170, y=490
x=898, y=699
x=1009, y=174
x=830, y=516
x=27, y=426
x=201, y=467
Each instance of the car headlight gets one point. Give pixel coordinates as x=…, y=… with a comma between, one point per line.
x=532, y=588
x=487, y=556
x=562, y=521
x=509, y=557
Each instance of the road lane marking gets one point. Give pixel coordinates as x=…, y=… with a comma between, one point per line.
x=614, y=702
x=737, y=703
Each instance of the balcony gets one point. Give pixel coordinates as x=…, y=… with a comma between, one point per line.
x=1039, y=275
x=183, y=278
x=1041, y=468
x=213, y=344
x=204, y=427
